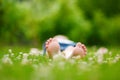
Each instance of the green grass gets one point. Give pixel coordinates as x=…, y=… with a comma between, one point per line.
x=41, y=68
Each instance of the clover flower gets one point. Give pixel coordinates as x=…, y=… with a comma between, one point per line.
x=35, y=52
x=6, y=59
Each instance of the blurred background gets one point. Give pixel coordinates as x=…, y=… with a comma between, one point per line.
x=31, y=22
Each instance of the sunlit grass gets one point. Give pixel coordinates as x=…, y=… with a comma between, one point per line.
x=23, y=64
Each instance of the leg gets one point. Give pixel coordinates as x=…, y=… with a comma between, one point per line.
x=52, y=47
x=68, y=52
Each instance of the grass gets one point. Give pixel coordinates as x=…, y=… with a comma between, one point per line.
x=16, y=63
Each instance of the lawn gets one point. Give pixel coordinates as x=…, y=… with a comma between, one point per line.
x=21, y=63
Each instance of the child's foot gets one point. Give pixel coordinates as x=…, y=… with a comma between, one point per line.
x=79, y=49
x=52, y=47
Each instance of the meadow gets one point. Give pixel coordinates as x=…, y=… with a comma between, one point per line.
x=26, y=24
x=20, y=63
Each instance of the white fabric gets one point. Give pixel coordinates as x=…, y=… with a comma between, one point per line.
x=65, y=41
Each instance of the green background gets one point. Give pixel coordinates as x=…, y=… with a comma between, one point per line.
x=31, y=22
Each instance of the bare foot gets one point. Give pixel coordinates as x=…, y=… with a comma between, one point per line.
x=79, y=49
x=52, y=47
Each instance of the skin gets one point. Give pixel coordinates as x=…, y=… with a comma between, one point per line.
x=53, y=47
x=79, y=49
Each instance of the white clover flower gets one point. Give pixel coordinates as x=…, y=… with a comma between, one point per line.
x=25, y=55
x=25, y=61
x=102, y=51
x=76, y=57
x=117, y=58
x=35, y=52
x=114, y=61
x=100, y=54
x=11, y=54
x=25, y=58
x=100, y=59
x=58, y=57
x=6, y=59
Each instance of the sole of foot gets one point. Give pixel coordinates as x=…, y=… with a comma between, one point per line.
x=52, y=47
x=78, y=51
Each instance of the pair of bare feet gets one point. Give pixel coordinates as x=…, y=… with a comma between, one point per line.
x=53, y=48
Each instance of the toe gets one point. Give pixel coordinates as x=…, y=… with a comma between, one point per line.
x=84, y=47
x=54, y=40
x=78, y=44
x=49, y=40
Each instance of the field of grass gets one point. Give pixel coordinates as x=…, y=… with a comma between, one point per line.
x=20, y=63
